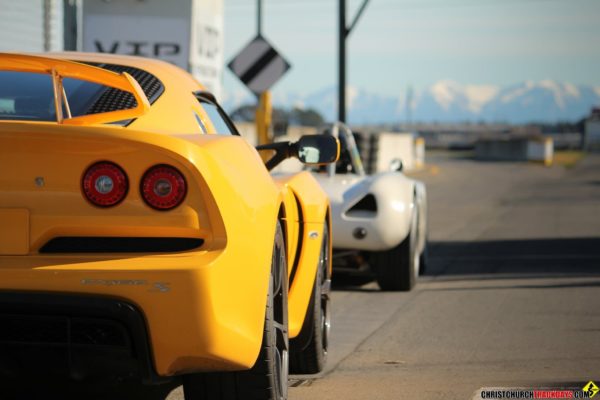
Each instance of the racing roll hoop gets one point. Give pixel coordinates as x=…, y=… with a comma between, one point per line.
x=60, y=69
x=344, y=134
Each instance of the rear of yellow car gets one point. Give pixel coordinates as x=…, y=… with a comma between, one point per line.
x=129, y=251
x=180, y=266
x=136, y=242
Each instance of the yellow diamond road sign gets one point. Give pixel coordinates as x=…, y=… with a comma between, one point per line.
x=591, y=389
x=259, y=65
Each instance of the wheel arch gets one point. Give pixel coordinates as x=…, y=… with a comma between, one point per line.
x=314, y=211
x=395, y=197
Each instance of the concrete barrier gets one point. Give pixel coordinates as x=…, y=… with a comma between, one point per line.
x=395, y=145
x=378, y=149
x=540, y=150
x=419, y=153
x=536, y=149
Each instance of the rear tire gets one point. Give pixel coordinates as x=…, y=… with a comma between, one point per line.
x=397, y=269
x=424, y=260
x=268, y=378
x=309, y=350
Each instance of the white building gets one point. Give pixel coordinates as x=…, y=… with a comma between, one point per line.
x=31, y=25
x=188, y=33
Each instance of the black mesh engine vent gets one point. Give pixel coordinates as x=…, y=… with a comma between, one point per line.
x=115, y=99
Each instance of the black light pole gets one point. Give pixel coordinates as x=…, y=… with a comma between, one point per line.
x=259, y=17
x=263, y=114
x=342, y=62
x=343, y=33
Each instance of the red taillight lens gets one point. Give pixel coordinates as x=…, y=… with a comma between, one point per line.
x=105, y=184
x=163, y=187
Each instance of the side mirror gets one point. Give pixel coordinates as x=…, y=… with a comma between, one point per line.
x=310, y=149
x=396, y=165
x=317, y=149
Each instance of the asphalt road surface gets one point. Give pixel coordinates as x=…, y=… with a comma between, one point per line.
x=511, y=297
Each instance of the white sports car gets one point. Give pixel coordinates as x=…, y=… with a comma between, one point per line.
x=380, y=218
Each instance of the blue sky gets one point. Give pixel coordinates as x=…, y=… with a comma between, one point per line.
x=401, y=43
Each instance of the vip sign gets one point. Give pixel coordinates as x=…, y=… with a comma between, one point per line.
x=187, y=33
x=206, y=50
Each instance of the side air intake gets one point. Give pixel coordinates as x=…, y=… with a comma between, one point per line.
x=365, y=207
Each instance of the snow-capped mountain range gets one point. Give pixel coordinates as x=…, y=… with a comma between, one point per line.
x=447, y=101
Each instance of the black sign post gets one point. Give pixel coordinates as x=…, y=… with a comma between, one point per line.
x=343, y=33
x=259, y=66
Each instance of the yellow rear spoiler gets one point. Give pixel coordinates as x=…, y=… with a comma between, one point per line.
x=59, y=69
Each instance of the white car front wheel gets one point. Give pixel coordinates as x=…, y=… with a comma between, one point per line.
x=397, y=269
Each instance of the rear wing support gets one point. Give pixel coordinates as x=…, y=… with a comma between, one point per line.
x=59, y=69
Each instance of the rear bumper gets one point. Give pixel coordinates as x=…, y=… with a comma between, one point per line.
x=74, y=336
x=183, y=312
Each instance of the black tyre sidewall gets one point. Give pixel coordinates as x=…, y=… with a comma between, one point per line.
x=311, y=356
x=395, y=268
x=264, y=380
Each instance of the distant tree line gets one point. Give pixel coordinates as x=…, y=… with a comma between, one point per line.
x=282, y=118
x=563, y=127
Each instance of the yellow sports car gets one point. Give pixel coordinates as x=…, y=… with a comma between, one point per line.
x=141, y=237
